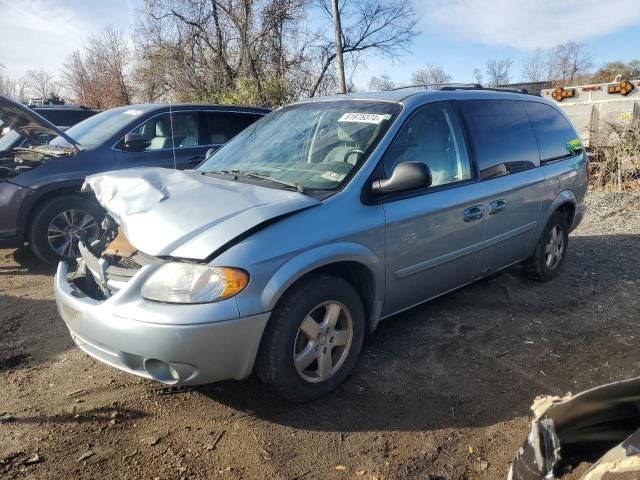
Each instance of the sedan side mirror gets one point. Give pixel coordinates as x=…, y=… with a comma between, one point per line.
x=405, y=176
x=135, y=143
x=210, y=152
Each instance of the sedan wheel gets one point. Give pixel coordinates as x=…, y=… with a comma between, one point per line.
x=67, y=228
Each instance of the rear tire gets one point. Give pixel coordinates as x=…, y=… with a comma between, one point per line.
x=303, y=356
x=63, y=218
x=548, y=257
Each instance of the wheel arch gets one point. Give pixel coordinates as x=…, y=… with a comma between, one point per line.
x=566, y=203
x=351, y=262
x=39, y=196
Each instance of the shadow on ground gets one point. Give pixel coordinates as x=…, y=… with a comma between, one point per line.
x=25, y=263
x=479, y=356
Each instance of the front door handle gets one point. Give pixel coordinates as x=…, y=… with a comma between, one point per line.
x=497, y=206
x=474, y=213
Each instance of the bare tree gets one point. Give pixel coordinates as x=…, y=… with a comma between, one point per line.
x=498, y=72
x=42, y=83
x=535, y=67
x=381, y=83
x=477, y=76
x=7, y=84
x=569, y=61
x=98, y=76
x=430, y=75
x=385, y=27
x=249, y=51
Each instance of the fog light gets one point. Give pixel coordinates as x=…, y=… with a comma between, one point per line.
x=161, y=371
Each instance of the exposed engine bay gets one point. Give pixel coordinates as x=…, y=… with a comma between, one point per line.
x=108, y=263
x=18, y=160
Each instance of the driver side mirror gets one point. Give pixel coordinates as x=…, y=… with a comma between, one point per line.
x=405, y=176
x=135, y=143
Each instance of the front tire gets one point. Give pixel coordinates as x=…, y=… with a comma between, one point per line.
x=548, y=258
x=59, y=224
x=313, y=339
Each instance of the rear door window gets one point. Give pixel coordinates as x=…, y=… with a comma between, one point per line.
x=223, y=126
x=556, y=137
x=501, y=135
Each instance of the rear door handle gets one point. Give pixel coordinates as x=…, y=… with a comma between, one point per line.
x=497, y=206
x=474, y=213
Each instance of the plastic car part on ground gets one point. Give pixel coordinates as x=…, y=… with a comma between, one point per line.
x=600, y=426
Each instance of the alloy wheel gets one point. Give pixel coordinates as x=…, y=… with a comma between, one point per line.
x=67, y=228
x=554, y=248
x=323, y=341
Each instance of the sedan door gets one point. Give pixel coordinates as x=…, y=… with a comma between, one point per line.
x=174, y=142
x=434, y=236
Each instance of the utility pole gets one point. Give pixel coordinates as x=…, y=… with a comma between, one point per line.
x=339, y=63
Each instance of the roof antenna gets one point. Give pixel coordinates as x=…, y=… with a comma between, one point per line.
x=173, y=138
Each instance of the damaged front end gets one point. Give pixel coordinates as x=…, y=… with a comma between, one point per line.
x=108, y=263
x=600, y=426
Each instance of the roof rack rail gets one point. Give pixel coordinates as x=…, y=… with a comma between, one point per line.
x=477, y=86
x=459, y=86
x=436, y=86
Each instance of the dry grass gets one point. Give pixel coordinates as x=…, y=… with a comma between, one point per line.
x=615, y=163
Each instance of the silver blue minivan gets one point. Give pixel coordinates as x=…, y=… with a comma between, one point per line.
x=287, y=246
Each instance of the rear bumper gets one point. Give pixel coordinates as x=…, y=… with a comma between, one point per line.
x=185, y=354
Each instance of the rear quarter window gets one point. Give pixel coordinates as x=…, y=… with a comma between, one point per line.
x=223, y=126
x=552, y=131
x=501, y=134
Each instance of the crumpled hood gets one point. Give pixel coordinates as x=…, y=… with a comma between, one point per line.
x=186, y=214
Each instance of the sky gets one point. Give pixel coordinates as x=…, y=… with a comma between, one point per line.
x=459, y=35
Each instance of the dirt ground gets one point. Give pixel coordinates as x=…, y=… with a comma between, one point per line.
x=441, y=391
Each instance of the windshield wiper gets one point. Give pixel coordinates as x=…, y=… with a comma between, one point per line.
x=259, y=176
x=292, y=185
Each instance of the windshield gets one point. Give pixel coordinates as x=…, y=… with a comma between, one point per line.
x=314, y=145
x=93, y=131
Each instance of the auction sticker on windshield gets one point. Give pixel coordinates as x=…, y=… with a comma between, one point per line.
x=374, y=118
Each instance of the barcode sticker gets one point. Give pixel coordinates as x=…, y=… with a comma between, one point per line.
x=374, y=118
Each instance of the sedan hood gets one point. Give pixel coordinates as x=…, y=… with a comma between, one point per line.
x=186, y=214
x=26, y=122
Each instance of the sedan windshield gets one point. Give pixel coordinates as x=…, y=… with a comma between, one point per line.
x=93, y=131
x=313, y=145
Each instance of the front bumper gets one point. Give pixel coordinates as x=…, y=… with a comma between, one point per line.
x=174, y=354
x=12, y=198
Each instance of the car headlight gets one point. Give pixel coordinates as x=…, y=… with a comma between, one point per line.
x=193, y=283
